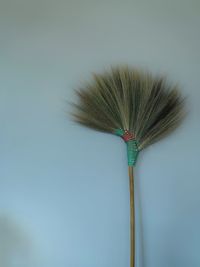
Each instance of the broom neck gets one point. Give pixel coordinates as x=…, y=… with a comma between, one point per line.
x=132, y=152
x=132, y=145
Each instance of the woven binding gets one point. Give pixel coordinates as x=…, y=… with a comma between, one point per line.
x=132, y=147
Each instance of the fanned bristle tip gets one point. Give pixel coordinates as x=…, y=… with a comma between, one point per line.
x=130, y=99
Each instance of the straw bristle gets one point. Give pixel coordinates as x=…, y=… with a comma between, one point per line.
x=133, y=100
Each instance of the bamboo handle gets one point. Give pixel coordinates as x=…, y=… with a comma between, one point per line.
x=132, y=217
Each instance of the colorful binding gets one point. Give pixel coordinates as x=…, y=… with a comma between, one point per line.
x=132, y=147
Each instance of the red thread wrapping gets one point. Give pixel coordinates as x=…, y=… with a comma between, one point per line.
x=128, y=136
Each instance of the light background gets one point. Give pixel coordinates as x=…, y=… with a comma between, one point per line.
x=64, y=197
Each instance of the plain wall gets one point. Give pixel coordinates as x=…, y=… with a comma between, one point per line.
x=64, y=198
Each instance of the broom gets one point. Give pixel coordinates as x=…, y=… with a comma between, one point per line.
x=134, y=105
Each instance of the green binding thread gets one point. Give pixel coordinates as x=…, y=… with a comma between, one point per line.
x=132, y=152
x=132, y=148
x=119, y=132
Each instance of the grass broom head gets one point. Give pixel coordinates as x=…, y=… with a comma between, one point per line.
x=130, y=103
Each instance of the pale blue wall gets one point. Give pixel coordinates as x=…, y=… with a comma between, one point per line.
x=64, y=197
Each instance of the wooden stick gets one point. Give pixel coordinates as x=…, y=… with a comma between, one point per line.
x=132, y=217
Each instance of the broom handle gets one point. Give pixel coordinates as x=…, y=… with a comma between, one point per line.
x=132, y=217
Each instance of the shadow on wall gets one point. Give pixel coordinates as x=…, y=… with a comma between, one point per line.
x=15, y=246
